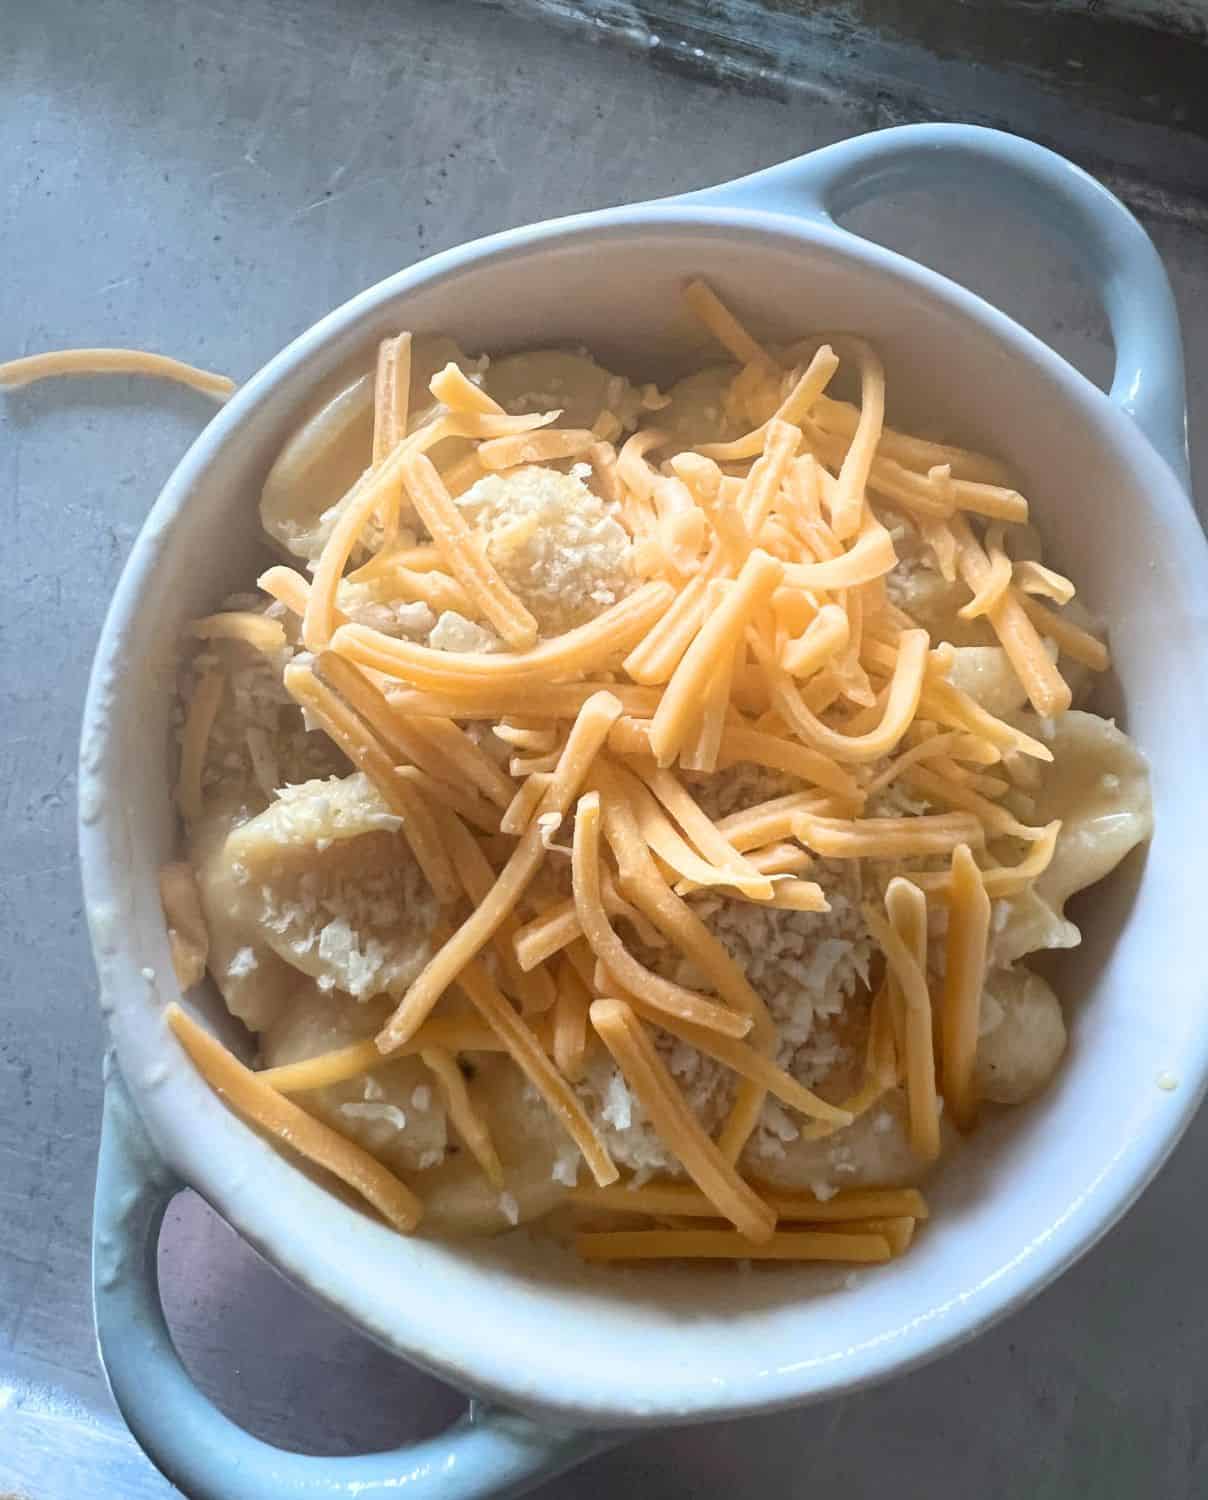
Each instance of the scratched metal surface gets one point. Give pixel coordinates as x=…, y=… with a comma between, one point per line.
x=207, y=179
x=1103, y=82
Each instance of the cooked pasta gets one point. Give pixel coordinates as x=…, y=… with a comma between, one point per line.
x=644, y=805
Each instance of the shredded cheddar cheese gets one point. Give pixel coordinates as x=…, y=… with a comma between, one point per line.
x=903, y=939
x=459, y=393
x=203, y=708
x=674, y=918
x=847, y=504
x=461, y=672
x=465, y=554
x=250, y=1096
x=1047, y=690
x=964, y=976
x=590, y=731
x=1033, y=577
x=725, y=327
x=188, y=936
x=241, y=625
x=734, y=1199
x=446, y=1033
x=675, y=715
x=354, y=737
x=468, y=1123
x=684, y=1200
x=662, y=994
x=531, y=1058
x=570, y=1023
x=673, y=749
x=18, y=372
x=861, y=1248
x=391, y=399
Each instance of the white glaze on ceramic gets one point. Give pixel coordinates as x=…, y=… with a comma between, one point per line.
x=1036, y=1188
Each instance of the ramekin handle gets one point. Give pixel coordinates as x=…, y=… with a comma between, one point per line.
x=1119, y=256
x=488, y=1453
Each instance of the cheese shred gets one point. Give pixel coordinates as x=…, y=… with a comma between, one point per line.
x=964, y=976
x=623, y=1035
x=49, y=366
x=677, y=804
x=251, y=1097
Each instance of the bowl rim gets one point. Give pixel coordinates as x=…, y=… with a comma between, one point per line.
x=466, y=1360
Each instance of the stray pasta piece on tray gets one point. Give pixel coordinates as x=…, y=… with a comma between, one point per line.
x=632, y=811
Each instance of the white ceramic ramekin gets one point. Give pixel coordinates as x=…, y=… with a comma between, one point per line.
x=1032, y=1191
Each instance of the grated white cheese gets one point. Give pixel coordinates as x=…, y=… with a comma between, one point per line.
x=259, y=737
x=618, y=1105
x=631, y=1140
x=338, y=808
x=548, y=825
x=566, y=1166
x=453, y=632
x=358, y=959
x=389, y=1113
x=805, y=965
x=405, y=620
x=842, y=1157
x=776, y=1119
x=357, y=915
x=557, y=545
x=243, y=962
